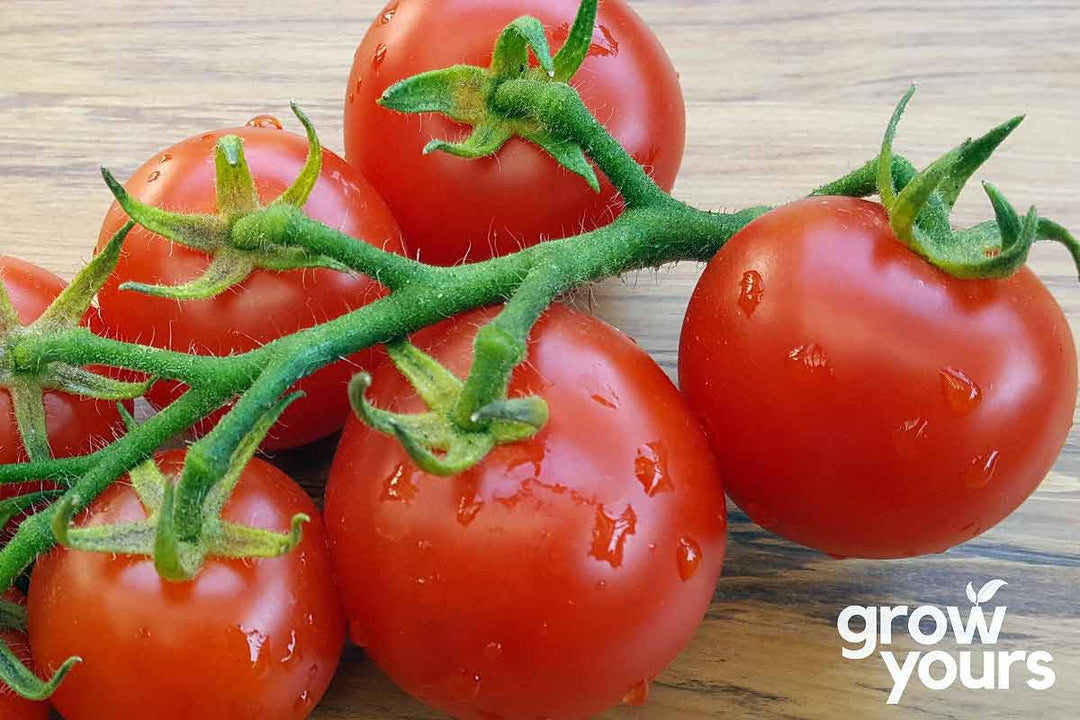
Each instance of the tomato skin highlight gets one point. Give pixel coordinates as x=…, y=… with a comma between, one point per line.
x=450, y=208
x=13, y=707
x=862, y=402
x=268, y=304
x=244, y=639
x=76, y=425
x=558, y=575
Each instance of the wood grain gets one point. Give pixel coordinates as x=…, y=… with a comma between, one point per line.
x=782, y=95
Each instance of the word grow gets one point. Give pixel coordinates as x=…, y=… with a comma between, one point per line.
x=928, y=625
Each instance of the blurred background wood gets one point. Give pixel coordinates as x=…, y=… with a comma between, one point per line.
x=781, y=96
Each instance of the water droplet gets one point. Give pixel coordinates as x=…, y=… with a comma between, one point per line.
x=153, y=176
x=961, y=392
x=399, y=485
x=493, y=650
x=303, y=700
x=358, y=634
x=388, y=14
x=750, y=292
x=256, y=641
x=760, y=515
x=264, y=121
x=812, y=357
x=980, y=471
x=601, y=584
x=164, y=159
x=610, y=533
x=688, y=557
x=463, y=686
x=468, y=507
x=650, y=467
x=907, y=438
x=143, y=633
x=637, y=695
x=352, y=98
x=600, y=390
x=379, y=57
x=290, y=649
x=359, y=84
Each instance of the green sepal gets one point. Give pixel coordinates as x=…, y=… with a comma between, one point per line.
x=28, y=404
x=24, y=682
x=919, y=205
x=15, y=506
x=79, y=381
x=175, y=559
x=12, y=616
x=227, y=269
x=299, y=191
x=236, y=193
x=511, y=56
x=464, y=93
x=234, y=254
x=576, y=48
x=434, y=440
x=9, y=317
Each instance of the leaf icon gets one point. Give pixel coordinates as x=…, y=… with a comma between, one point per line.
x=971, y=594
x=989, y=590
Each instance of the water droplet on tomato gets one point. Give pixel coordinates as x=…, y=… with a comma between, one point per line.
x=960, y=391
x=650, y=468
x=751, y=290
x=290, y=649
x=812, y=357
x=164, y=159
x=688, y=557
x=610, y=533
x=493, y=651
x=400, y=485
x=601, y=584
x=143, y=633
x=908, y=436
x=388, y=14
x=760, y=516
x=608, y=47
x=379, y=57
x=303, y=700
x=256, y=641
x=463, y=685
x=980, y=471
x=467, y=509
x=153, y=176
x=637, y=695
x=352, y=98
x=264, y=121
x=600, y=391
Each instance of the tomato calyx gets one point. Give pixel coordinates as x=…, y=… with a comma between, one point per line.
x=919, y=205
x=13, y=672
x=436, y=440
x=234, y=238
x=177, y=559
x=468, y=94
x=26, y=374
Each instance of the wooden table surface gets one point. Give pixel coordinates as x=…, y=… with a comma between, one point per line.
x=781, y=96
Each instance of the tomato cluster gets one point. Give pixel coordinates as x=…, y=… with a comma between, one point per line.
x=845, y=393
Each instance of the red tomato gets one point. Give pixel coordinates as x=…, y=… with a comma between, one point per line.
x=560, y=574
x=13, y=707
x=244, y=639
x=267, y=305
x=862, y=402
x=76, y=425
x=450, y=208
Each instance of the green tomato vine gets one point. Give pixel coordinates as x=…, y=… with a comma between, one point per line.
x=466, y=417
